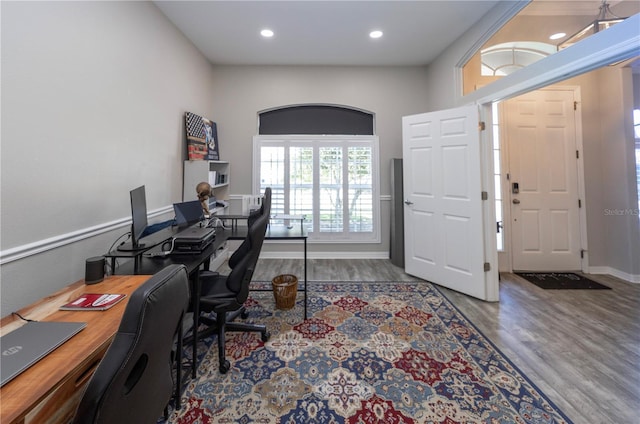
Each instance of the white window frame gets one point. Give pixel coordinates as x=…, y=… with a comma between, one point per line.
x=317, y=141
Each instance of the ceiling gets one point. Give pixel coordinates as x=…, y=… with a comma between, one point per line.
x=335, y=32
x=323, y=32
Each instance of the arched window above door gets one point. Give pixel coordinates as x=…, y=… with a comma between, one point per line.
x=505, y=58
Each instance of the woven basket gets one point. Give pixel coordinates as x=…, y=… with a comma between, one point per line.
x=285, y=287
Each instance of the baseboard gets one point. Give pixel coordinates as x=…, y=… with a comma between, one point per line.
x=631, y=278
x=323, y=255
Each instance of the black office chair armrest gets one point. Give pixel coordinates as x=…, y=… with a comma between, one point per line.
x=215, y=303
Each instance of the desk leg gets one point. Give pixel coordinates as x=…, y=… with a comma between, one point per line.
x=179, y=368
x=195, y=306
x=306, y=283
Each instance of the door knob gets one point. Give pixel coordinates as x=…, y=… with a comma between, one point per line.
x=407, y=202
x=516, y=201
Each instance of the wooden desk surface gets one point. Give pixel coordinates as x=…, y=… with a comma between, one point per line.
x=69, y=366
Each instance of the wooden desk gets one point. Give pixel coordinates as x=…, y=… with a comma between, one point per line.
x=50, y=390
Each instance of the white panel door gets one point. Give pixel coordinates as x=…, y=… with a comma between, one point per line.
x=541, y=136
x=443, y=223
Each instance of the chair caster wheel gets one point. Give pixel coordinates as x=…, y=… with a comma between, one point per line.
x=225, y=367
x=244, y=315
x=265, y=336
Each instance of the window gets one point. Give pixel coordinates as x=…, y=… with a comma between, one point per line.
x=497, y=177
x=333, y=180
x=504, y=58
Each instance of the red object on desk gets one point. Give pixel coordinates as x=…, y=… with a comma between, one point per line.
x=93, y=302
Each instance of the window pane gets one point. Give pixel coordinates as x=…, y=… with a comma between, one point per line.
x=498, y=190
x=301, y=183
x=331, y=193
x=360, y=189
x=272, y=175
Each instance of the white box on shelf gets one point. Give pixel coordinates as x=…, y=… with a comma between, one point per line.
x=250, y=203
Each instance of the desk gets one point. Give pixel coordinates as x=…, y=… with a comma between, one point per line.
x=142, y=264
x=50, y=390
x=274, y=232
x=146, y=265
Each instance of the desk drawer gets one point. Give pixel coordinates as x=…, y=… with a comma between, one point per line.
x=61, y=404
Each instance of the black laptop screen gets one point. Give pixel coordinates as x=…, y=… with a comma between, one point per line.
x=188, y=213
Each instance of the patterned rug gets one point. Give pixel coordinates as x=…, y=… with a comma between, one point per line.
x=371, y=352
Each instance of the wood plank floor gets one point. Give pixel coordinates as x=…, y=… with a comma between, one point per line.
x=580, y=347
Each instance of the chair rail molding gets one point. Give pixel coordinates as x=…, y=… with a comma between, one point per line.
x=40, y=246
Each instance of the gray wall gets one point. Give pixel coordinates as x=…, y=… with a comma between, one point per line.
x=93, y=98
x=617, y=152
x=243, y=91
x=609, y=168
x=636, y=90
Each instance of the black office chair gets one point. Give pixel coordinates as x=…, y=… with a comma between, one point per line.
x=133, y=383
x=225, y=295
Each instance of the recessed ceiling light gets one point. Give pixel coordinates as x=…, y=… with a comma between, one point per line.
x=266, y=33
x=375, y=34
x=557, y=36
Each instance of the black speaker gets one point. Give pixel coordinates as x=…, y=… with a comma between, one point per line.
x=94, y=271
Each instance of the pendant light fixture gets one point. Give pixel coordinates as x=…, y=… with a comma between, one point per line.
x=604, y=20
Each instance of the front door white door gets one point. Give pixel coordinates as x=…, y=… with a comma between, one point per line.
x=443, y=211
x=543, y=172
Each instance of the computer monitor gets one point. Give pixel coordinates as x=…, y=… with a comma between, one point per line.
x=138, y=219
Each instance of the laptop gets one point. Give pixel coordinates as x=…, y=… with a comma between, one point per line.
x=26, y=345
x=188, y=213
x=193, y=239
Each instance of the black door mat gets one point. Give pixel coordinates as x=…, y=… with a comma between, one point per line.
x=561, y=280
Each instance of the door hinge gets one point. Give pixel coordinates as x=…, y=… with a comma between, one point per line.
x=575, y=105
x=485, y=195
x=577, y=154
x=487, y=267
x=508, y=176
x=581, y=253
x=579, y=203
x=481, y=126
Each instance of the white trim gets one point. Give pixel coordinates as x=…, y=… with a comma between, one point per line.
x=630, y=278
x=40, y=246
x=507, y=14
x=582, y=193
x=504, y=256
x=491, y=277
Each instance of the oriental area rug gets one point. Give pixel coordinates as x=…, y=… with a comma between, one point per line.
x=370, y=352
